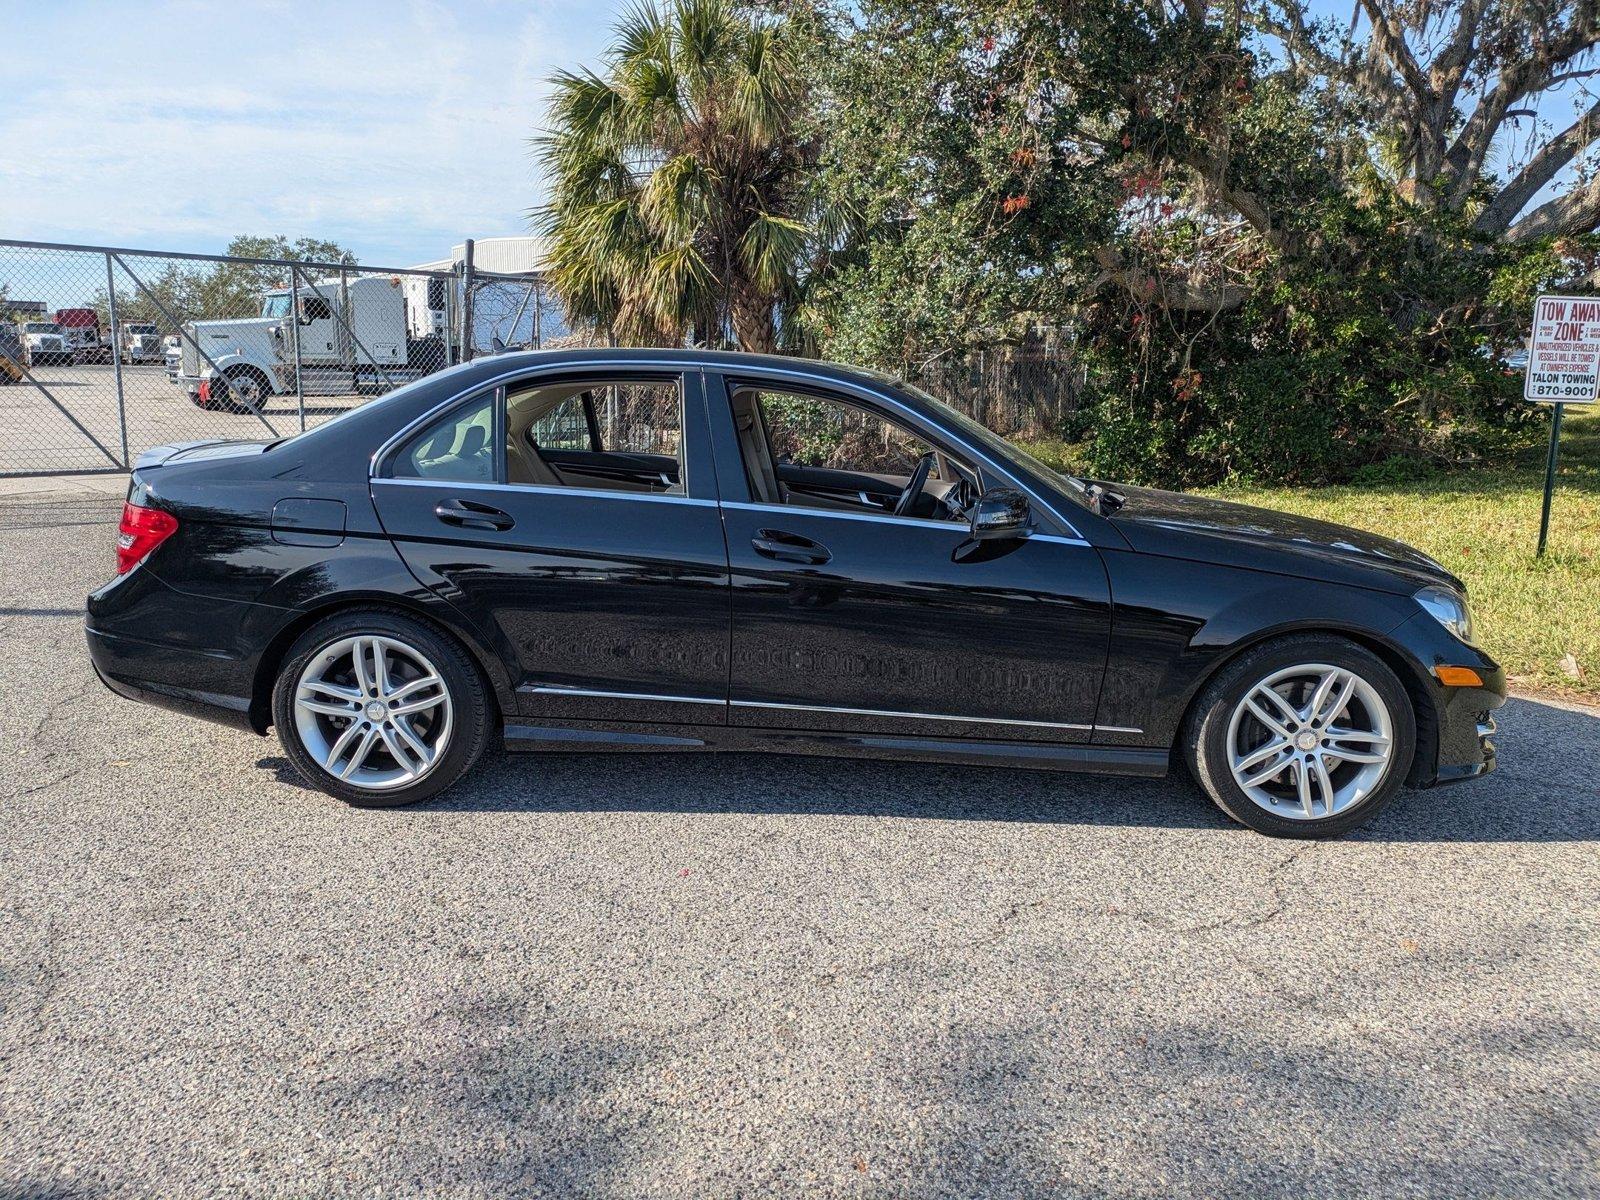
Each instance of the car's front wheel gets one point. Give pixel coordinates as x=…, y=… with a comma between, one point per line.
x=1307, y=736
x=379, y=709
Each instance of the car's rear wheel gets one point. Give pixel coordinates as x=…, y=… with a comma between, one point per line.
x=1308, y=736
x=379, y=709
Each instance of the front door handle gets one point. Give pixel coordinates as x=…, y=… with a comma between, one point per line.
x=469, y=514
x=789, y=547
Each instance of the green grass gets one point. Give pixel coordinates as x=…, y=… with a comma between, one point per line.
x=1483, y=525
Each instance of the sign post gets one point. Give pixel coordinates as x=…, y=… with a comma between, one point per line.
x=1563, y=369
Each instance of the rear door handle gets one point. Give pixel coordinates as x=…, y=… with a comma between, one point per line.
x=789, y=547
x=469, y=514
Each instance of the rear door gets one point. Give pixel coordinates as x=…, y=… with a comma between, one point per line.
x=605, y=591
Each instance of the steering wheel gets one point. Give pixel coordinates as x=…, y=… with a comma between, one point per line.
x=919, y=476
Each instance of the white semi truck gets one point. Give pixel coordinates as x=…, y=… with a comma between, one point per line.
x=357, y=335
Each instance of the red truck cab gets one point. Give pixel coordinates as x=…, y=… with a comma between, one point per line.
x=81, y=327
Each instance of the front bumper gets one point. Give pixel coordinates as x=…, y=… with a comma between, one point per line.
x=1455, y=725
x=1464, y=738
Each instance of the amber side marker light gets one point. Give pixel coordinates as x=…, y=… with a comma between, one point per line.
x=1458, y=676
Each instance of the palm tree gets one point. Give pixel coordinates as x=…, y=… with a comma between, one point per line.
x=681, y=198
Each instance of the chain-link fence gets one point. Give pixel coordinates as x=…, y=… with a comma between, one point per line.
x=106, y=352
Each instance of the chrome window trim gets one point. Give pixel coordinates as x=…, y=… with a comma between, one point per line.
x=915, y=716
x=1057, y=539
x=887, y=519
x=695, y=501
x=548, y=490
x=683, y=369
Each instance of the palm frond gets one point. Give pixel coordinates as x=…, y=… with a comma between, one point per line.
x=676, y=198
x=703, y=33
x=771, y=248
x=763, y=84
x=687, y=133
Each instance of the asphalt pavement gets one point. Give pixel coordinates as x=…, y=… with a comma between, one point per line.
x=74, y=418
x=736, y=976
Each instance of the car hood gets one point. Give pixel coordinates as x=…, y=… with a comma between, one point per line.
x=1191, y=526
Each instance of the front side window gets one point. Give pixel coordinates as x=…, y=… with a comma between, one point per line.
x=458, y=448
x=820, y=451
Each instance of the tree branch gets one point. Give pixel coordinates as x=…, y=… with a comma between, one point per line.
x=1391, y=38
x=1576, y=212
x=1175, y=292
x=1467, y=154
x=1296, y=35
x=1540, y=170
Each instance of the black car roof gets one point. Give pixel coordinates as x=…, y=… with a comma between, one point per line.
x=722, y=360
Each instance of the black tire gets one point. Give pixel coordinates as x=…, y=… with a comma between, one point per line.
x=473, y=716
x=1206, y=732
x=245, y=376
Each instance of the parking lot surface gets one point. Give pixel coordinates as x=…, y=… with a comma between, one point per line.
x=689, y=976
x=69, y=420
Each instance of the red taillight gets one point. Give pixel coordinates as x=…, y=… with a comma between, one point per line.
x=141, y=531
x=205, y=391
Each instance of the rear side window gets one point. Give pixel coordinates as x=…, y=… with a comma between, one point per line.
x=459, y=447
x=564, y=427
x=621, y=435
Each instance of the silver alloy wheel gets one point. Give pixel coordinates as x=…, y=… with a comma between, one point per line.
x=1309, y=742
x=244, y=387
x=374, y=711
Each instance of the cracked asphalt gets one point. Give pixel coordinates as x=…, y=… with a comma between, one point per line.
x=684, y=976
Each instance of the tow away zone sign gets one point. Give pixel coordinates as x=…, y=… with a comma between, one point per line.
x=1564, y=353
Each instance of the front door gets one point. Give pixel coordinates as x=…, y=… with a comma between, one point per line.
x=860, y=602
x=590, y=553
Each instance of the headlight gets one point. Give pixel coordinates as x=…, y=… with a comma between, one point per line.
x=1450, y=609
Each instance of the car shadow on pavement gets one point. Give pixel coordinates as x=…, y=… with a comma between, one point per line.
x=520, y=1094
x=1546, y=789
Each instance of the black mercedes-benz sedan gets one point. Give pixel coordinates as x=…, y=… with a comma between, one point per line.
x=667, y=550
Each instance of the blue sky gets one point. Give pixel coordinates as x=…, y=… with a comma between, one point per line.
x=394, y=128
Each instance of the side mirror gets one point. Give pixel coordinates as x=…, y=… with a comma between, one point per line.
x=1001, y=513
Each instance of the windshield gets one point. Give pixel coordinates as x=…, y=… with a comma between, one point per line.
x=997, y=445
x=275, y=305
x=141, y=328
x=41, y=327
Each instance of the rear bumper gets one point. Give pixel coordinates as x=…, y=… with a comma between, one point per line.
x=194, y=655
x=110, y=656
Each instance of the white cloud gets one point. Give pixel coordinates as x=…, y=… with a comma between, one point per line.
x=395, y=129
